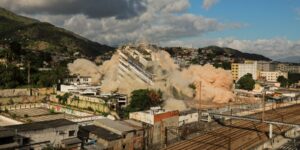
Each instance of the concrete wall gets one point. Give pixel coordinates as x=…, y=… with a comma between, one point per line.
x=56, y=108
x=25, y=92
x=85, y=102
x=188, y=118
x=63, y=109
x=14, y=92
x=159, y=130
x=142, y=116
x=21, y=106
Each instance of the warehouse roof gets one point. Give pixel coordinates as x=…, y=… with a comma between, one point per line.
x=4, y=132
x=42, y=125
x=101, y=132
x=115, y=126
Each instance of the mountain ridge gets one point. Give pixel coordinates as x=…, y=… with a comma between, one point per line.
x=290, y=59
x=236, y=53
x=43, y=36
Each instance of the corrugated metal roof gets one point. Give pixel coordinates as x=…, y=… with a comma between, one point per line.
x=114, y=126
x=4, y=132
x=101, y=132
x=41, y=125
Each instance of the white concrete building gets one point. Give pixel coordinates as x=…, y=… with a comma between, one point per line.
x=248, y=67
x=80, y=89
x=77, y=80
x=272, y=76
x=187, y=117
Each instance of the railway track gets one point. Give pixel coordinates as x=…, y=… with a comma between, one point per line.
x=242, y=134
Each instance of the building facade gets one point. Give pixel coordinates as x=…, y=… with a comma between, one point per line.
x=272, y=76
x=240, y=69
x=60, y=133
x=266, y=66
x=77, y=80
x=157, y=124
x=131, y=137
x=288, y=68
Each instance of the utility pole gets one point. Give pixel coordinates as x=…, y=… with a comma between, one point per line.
x=28, y=73
x=199, y=86
x=28, y=77
x=263, y=105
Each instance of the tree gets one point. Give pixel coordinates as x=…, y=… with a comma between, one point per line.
x=75, y=99
x=63, y=99
x=143, y=99
x=294, y=78
x=246, y=82
x=283, y=81
x=10, y=76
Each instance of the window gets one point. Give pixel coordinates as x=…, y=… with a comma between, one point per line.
x=72, y=133
x=61, y=132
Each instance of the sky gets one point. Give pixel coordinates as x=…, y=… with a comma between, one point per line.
x=267, y=27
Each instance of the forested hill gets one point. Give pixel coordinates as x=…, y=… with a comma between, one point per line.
x=233, y=53
x=42, y=36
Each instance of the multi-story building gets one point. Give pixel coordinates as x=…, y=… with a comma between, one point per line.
x=134, y=62
x=288, y=68
x=266, y=66
x=272, y=76
x=240, y=69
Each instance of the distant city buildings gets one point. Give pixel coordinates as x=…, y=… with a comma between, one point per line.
x=271, y=76
x=265, y=70
x=284, y=67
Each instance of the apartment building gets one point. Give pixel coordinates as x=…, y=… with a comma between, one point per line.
x=272, y=76
x=266, y=66
x=240, y=69
x=133, y=63
x=288, y=68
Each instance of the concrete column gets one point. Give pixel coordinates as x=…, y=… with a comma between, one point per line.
x=270, y=131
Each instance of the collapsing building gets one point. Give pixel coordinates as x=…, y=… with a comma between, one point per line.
x=145, y=66
x=134, y=62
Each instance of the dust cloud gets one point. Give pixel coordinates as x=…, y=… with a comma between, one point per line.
x=196, y=82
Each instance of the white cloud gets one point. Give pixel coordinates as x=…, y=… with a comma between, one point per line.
x=162, y=21
x=121, y=9
x=273, y=48
x=207, y=4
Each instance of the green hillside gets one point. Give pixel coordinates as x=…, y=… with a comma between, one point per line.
x=234, y=53
x=41, y=36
